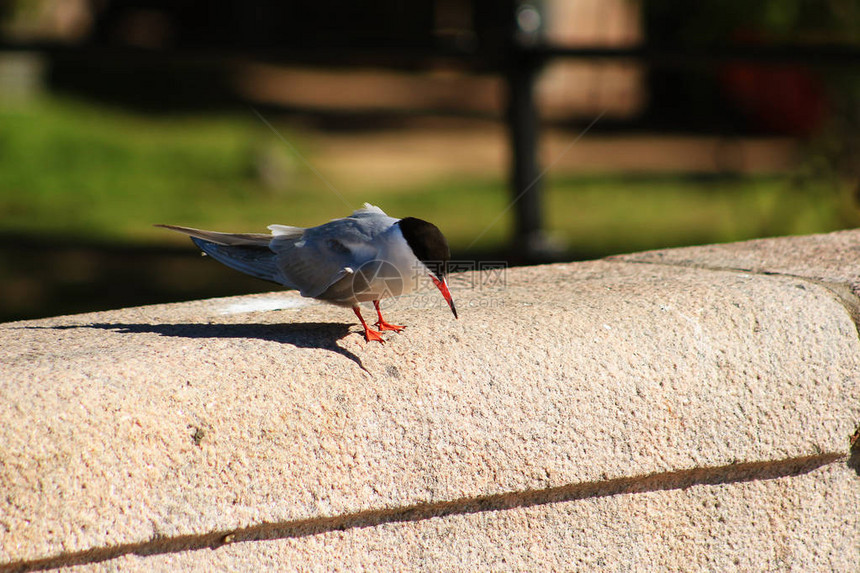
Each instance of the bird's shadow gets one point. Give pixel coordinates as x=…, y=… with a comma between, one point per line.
x=322, y=335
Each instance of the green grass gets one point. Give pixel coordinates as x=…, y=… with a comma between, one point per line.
x=80, y=171
x=69, y=168
x=610, y=215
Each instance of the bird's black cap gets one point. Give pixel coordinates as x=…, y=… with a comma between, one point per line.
x=428, y=243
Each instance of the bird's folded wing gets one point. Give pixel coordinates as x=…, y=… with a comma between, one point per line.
x=322, y=255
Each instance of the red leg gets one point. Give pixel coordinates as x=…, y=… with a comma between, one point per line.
x=369, y=334
x=381, y=324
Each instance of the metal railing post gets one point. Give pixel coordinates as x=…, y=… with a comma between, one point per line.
x=524, y=131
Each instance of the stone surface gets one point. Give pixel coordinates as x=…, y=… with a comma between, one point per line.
x=656, y=414
x=734, y=527
x=831, y=258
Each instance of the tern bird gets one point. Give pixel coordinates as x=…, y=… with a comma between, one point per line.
x=365, y=257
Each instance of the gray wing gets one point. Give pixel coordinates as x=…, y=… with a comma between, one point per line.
x=324, y=255
x=255, y=239
x=245, y=252
x=308, y=260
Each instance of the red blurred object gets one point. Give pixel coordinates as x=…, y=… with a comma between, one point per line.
x=789, y=100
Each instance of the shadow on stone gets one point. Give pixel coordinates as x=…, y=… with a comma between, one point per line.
x=322, y=335
x=854, y=457
x=660, y=481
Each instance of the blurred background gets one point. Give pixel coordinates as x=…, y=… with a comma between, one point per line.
x=621, y=125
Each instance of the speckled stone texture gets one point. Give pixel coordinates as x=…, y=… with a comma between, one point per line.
x=686, y=409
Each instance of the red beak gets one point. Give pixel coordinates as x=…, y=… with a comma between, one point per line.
x=442, y=285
